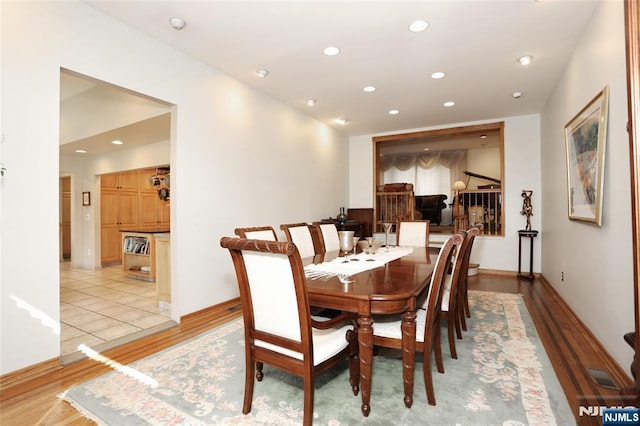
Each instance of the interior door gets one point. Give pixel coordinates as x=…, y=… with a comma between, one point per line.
x=65, y=218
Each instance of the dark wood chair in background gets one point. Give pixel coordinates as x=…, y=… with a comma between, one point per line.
x=291, y=340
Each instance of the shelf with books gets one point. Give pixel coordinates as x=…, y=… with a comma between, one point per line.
x=138, y=255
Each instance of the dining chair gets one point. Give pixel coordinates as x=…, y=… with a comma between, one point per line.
x=450, y=308
x=387, y=330
x=257, y=233
x=300, y=235
x=292, y=340
x=463, y=297
x=328, y=233
x=412, y=233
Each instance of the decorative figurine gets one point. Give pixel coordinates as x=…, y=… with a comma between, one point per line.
x=527, y=209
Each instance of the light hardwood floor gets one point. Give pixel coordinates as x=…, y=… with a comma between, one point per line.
x=30, y=395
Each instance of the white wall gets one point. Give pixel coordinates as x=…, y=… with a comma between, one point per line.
x=597, y=262
x=522, y=171
x=238, y=158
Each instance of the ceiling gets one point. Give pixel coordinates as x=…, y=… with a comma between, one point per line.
x=476, y=43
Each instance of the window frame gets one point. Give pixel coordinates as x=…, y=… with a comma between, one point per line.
x=452, y=132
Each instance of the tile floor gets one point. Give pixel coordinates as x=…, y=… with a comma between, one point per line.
x=104, y=308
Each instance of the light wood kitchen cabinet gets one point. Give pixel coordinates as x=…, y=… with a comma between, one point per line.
x=119, y=205
x=128, y=201
x=154, y=212
x=163, y=268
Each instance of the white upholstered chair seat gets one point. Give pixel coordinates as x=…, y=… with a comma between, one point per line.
x=326, y=343
x=390, y=326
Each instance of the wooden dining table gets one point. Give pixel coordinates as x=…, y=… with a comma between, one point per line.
x=395, y=288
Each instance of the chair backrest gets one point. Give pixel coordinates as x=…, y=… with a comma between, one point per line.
x=264, y=269
x=414, y=233
x=257, y=233
x=438, y=277
x=452, y=280
x=472, y=233
x=300, y=235
x=328, y=233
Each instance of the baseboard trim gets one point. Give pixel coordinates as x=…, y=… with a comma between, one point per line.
x=619, y=374
x=25, y=374
x=226, y=305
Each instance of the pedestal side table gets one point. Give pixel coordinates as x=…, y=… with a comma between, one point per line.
x=531, y=235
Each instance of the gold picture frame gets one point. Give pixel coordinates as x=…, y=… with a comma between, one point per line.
x=585, y=137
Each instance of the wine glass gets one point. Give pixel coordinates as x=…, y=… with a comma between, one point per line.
x=387, y=229
x=355, y=246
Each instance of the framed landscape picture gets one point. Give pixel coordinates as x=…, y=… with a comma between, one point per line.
x=585, y=137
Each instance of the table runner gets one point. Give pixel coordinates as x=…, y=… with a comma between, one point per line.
x=337, y=266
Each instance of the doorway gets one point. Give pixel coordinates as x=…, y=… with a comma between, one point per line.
x=104, y=129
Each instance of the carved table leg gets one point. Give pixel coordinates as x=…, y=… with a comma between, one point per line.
x=365, y=346
x=408, y=354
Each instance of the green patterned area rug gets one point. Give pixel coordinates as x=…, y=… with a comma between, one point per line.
x=502, y=377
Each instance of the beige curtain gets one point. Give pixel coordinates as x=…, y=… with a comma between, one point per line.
x=454, y=160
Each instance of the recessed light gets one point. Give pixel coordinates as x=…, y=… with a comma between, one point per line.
x=449, y=104
x=426, y=149
x=343, y=121
x=393, y=112
x=369, y=89
x=516, y=94
x=177, y=23
x=81, y=151
x=437, y=75
x=525, y=60
x=483, y=136
x=262, y=73
x=418, y=26
x=311, y=102
x=117, y=142
x=331, y=51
